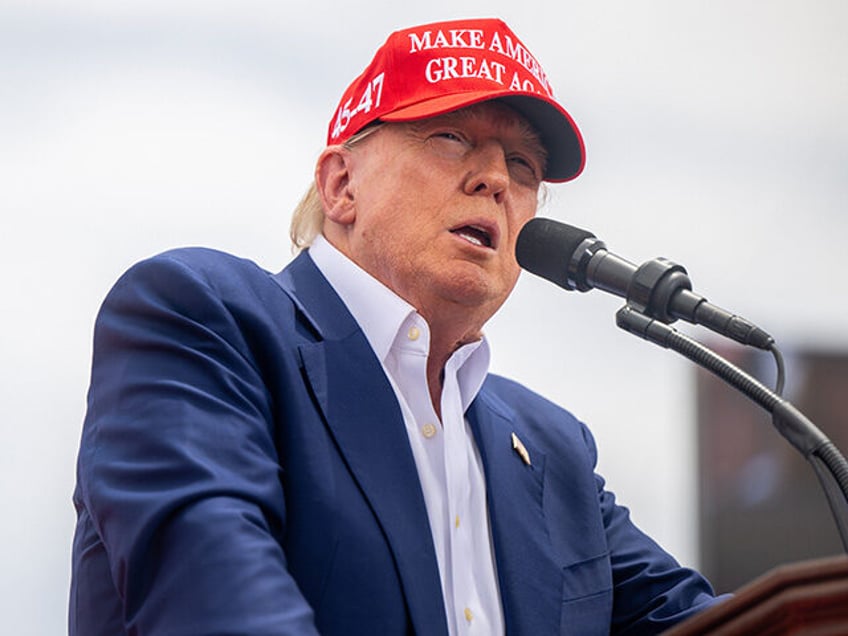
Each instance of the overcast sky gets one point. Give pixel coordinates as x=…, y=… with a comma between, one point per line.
x=716, y=136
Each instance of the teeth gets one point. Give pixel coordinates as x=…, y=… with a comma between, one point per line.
x=474, y=235
x=471, y=239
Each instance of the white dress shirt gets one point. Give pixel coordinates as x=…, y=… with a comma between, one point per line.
x=447, y=459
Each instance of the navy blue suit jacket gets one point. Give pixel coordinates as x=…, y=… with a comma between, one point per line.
x=244, y=469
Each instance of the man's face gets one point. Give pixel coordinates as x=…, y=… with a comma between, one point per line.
x=438, y=205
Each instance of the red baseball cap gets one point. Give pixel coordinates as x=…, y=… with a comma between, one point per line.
x=435, y=68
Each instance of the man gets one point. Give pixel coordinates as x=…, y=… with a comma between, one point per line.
x=322, y=450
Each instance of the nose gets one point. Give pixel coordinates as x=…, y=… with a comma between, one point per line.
x=489, y=174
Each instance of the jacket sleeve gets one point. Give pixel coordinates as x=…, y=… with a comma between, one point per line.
x=652, y=591
x=178, y=468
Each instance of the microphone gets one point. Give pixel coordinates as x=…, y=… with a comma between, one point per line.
x=660, y=289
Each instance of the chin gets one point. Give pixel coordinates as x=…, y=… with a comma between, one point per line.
x=467, y=283
x=473, y=290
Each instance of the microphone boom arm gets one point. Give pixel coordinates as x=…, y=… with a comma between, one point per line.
x=828, y=463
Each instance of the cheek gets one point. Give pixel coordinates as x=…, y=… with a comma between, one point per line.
x=512, y=273
x=517, y=220
x=509, y=268
x=525, y=206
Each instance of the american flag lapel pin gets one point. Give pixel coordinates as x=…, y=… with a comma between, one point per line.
x=519, y=448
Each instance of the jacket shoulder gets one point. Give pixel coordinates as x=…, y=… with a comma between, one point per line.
x=191, y=277
x=205, y=264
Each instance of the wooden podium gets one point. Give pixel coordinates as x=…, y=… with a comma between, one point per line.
x=806, y=598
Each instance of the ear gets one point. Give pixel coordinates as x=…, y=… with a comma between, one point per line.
x=332, y=178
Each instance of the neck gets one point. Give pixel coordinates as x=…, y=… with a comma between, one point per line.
x=443, y=343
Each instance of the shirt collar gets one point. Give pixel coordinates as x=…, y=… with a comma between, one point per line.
x=379, y=311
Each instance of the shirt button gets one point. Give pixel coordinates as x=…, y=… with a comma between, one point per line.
x=414, y=333
x=456, y=522
x=468, y=615
x=428, y=430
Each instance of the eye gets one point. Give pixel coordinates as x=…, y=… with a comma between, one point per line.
x=449, y=136
x=448, y=143
x=525, y=169
x=522, y=161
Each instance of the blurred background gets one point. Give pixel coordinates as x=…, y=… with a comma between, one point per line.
x=716, y=136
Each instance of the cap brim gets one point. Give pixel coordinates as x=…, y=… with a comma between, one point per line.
x=559, y=133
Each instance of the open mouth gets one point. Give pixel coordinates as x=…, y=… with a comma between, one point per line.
x=475, y=235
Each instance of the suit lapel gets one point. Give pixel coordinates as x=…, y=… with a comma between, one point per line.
x=363, y=415
x=530, y=578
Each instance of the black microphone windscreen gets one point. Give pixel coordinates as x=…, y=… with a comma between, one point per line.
x=545, y=248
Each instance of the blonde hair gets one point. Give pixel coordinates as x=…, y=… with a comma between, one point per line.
x=308, y=216
x=307, y=219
